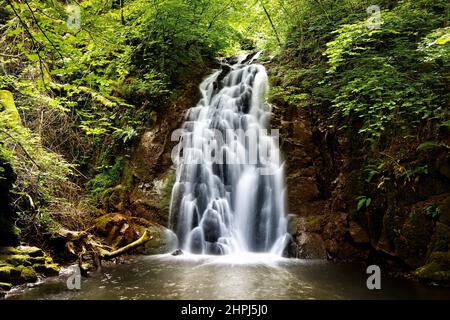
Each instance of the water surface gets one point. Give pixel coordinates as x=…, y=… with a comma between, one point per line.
x=257, y=276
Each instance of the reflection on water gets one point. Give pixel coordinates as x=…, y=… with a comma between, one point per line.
x=257, y=276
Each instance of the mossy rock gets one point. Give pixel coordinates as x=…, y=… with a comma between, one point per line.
x=8, y=272
x=5, y=286
x=115, y=199
x=28, y=274
x=48, y=270
x=22, y=250
x=107, y=223
x=163, y=241
x=438, y=268
x=24, y=264
x=416, y=232
x=16, y=260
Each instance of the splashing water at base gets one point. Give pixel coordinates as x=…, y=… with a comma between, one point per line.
x=229, y=192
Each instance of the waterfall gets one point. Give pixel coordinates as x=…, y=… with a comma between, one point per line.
x=229, y=194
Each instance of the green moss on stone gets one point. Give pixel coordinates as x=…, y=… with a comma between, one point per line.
x=28, y=274
x=5, y=286
x=48, y=270
x=412, y=245
x=16, y=260
x=166, y=195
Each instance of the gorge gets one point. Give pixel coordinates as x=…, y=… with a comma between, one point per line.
x=316, y=146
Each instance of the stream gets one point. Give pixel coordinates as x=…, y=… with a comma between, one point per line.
x=254, y=276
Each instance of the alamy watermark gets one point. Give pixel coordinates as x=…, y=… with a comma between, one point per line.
x=234, y=147
x=374, y=21
x=74, y=17
x=374, y=280
x=74, y=280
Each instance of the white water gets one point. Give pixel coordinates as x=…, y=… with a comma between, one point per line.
x=236, y=205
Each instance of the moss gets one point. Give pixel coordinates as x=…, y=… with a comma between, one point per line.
x=127, y=176
x=313, y=220
x=438, y=268
x=16, y=260
x=28, y=274
x=159, y=242
x=5, y=286
x=166, y=196
x=415, y=236
x=7, y=105
x=5, y=272
x=22, y=250
x=31, y=251
x=10, y=274
x=114, y=198
x=106, y=179
x=105, y=223
x=48, y=270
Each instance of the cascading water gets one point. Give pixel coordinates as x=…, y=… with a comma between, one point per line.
x=229, y=190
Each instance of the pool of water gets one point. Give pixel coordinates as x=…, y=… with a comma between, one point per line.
x=253, y=276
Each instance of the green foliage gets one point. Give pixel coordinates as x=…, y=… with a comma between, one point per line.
x=106, y=178
x=369, y=70
x=363, y=202
x=433, y=211
x=430, y=145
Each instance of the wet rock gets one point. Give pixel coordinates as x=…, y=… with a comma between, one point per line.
x=177, y=252
x=163, y=241
x=197, y=240
x=291, y=250
x=214, y=248
x=294, y=223
x=311, y=246
x=211, y=225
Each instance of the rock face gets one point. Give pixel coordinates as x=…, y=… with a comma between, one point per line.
x=24, y=264
x=406, y=224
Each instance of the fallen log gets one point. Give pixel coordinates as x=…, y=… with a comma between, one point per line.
x=80, y=243
x=112, y=254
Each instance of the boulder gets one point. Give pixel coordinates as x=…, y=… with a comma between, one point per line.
x=163, y=241
x=177, y=252
x=311, y=246
x=437, y=269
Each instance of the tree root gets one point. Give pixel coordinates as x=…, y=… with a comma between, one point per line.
x=83, y=243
